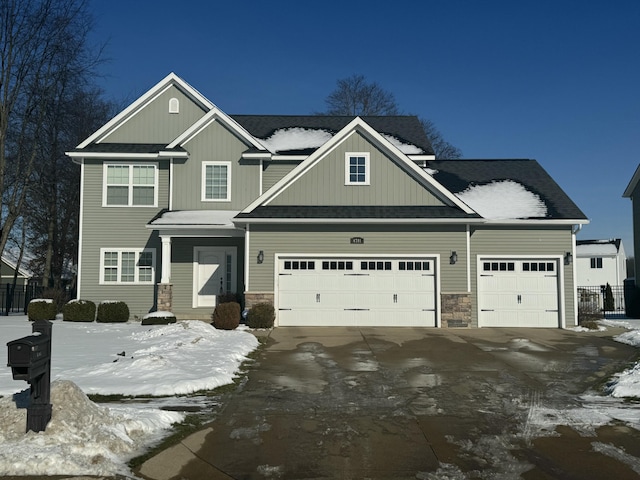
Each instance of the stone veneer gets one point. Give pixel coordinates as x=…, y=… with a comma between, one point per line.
x=251, y=298
x=165, y=297
x=456, y=310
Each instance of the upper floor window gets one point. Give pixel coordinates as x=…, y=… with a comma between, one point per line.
x=216, y=181
x=119, y=265
x=130, y=185
x=357, y=171
x=596, y=262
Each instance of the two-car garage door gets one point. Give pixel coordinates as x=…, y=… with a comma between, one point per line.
x=357, y=291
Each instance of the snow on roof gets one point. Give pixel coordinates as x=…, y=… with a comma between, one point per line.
x=296, y=138
x=596, y=249
x=502, y=200
x=405, y=148
x=197, y=217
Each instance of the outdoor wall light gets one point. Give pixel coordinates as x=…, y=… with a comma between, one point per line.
x=568, y=258
x=453, y=258
x=260, y=256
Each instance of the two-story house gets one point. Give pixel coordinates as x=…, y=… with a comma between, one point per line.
x=335, y=220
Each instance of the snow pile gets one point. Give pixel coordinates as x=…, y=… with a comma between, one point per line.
x=503, y=200
x=296, y=138
x=601, y=248
x=82, y=438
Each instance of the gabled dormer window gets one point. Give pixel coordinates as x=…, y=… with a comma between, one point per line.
x=356, y=168
x=216, y=181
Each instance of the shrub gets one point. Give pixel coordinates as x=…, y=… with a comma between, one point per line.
x=59, y=297
x=158, y=318
x=42, y=309
x=79, y=311
x=261, y=315
x=111, y=312
x=226, y=316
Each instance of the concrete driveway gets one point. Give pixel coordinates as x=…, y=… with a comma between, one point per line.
x=419, y=404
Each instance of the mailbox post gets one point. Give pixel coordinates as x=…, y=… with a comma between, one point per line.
x=30, y=360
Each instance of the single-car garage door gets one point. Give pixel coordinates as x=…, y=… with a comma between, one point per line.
x=356, y=291
x=518, y=293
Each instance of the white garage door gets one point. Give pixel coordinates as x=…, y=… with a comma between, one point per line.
x=518, y=293
x=356, y=292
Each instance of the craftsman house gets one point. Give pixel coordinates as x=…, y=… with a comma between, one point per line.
x=335, y=220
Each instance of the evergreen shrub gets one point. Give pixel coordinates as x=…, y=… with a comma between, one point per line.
x=42, y=309
x=261, y=315
x=112, y=312
x=79, y=311
x=226, y=316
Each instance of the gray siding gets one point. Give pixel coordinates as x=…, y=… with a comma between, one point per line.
x=117, y=227
x=273, y=171
x=324, y=184
x=182, y=271
x=335, y=239
x=154, y=123
x=635, y=206
x=515, y=240
x=215, y=143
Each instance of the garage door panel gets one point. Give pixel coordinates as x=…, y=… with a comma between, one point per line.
x=357, y=292
x=518, y=293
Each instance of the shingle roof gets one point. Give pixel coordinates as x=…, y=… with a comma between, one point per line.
x=458, y=175
x=406, y=128
x=127, y=148
x=356, y=212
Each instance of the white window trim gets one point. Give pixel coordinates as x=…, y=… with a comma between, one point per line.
x=174, y=105
x=130, y=185
x=204, y=179
x=120, y=251
x=367, y=168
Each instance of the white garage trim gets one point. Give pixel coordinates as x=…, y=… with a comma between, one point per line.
x=434, y=258
x=557, y=260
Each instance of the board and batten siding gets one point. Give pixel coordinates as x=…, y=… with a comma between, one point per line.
x=214, y=143
x=324, y=183
x=154, y=123
x=514, y=240
x=378, y=240
x=182, y=271
x=272, y=172
x=117, y=227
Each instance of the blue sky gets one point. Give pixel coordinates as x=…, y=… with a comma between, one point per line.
x=557, y=81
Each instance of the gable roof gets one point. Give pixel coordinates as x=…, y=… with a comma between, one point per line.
x=170, y=80
x=632, y=183
x=459, y=175
x=598, y=247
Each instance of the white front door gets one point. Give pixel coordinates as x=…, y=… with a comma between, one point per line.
x=213, y=274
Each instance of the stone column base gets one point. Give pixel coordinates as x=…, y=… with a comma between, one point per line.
x=456, y=310
x=251, y=298
x=165, y=297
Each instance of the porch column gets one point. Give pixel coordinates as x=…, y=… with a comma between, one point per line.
x=166, y=259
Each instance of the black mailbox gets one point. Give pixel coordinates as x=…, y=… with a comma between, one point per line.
x=29, y=356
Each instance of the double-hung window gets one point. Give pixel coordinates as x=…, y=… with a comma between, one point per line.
x=596, y=262
x=127, y=265
x=356, y=168
x=216, y=181
x=130, y=185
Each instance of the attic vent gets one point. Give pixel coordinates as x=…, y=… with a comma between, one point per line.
x=174, y=105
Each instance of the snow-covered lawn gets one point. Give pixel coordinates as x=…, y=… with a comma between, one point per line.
x=127, y=358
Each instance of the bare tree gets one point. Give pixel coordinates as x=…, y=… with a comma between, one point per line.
x=355, y=96
x=43, y=43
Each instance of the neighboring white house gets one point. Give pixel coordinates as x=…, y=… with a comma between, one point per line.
x=600, y=262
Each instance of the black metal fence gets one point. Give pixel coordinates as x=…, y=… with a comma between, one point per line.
x=595, y=299
x=16, y=300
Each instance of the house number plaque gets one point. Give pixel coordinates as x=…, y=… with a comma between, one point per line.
x=357, y=240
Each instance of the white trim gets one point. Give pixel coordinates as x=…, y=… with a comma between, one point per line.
x=632, y=183
x=116, y=156
x=141, y=102
x=166, y=259
x=247, y=246
x=120, y=251
x=203, y=183
x=171, y=170
x=347, y=168
x=559, y=259
x=130, y=185
x=281, y=256
x=468, y=235
x=260, y=175
x=80, y=232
